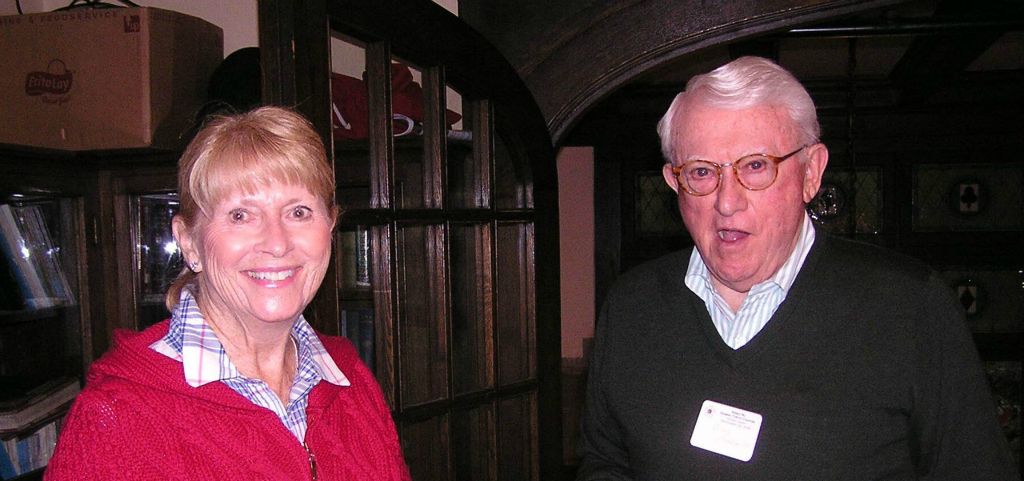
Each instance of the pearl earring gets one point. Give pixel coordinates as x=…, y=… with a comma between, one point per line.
x=194, y=265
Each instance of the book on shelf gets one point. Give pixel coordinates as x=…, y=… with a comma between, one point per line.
x=21, y=455
x=357, y=326
x=355, y=255
x=25, y=410
x=32, y=257
x=7, y=468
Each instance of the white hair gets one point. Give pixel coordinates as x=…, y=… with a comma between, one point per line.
x=744, y=83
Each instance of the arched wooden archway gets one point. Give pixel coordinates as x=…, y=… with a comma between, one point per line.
x=574, y=54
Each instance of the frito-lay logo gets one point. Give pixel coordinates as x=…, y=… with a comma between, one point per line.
x=53, y=85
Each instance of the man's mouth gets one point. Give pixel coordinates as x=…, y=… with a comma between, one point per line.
x=731, y=235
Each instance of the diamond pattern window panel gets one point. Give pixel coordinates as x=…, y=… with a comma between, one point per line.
x=849, y=201
x=657, y=213
x=993, y=299
x=968, y=197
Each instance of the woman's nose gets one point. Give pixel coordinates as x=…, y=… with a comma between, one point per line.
x=274, y=239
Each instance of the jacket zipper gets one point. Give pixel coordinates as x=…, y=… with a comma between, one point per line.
x=312, y=461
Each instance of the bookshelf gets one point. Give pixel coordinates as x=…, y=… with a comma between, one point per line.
x=44, y=316
x=98, y=235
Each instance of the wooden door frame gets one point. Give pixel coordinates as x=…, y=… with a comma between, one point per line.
x=294, y=40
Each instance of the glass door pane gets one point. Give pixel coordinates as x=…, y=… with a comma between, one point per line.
x=157, y=257
x=517, y=438
x=513, y=176
x=417, y=183
x=40, y=317
x=32, y=255
x=350, y=121
x=383, y=309
x=473, y=443
x=357, y=321
x=425, y=445
x=421, y=314
x=469, y=177
x=472, y=314
x=516, y=304
x=355, y=261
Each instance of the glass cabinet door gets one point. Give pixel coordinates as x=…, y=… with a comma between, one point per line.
x=157, y=257
x=144, y=202
x=41, y=318
x=45, y=343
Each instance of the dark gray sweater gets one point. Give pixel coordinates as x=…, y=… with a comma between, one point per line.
x=867, y=371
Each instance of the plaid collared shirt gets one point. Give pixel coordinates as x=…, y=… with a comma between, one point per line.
x=191, y=341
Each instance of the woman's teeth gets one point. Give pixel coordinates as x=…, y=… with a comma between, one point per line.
x=272, y=276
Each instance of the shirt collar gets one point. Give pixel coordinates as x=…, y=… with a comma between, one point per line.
x=783, y=278
x=190, y=340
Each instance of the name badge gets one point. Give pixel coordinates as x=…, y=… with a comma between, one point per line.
x=726, y=430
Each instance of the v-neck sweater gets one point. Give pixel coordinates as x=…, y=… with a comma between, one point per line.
x=866, y=371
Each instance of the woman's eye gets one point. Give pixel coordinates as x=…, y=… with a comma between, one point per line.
x=238, y=215
x=301, y=212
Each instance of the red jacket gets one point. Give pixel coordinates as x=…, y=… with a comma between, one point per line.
x=137, y=419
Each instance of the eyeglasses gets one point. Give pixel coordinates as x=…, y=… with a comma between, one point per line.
x=754, y=172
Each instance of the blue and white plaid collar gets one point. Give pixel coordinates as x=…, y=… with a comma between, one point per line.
x=190, y=340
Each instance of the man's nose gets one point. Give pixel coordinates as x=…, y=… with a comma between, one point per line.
x=731, y=196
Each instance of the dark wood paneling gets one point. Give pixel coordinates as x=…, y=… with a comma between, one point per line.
x=585, y=50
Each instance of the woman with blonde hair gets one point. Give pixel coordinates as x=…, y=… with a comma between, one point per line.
x=236, y=384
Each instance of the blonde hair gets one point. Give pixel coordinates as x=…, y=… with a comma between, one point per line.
x=246, y=152
x=744, y=83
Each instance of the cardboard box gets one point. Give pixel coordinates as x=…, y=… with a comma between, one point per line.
x=100, y=79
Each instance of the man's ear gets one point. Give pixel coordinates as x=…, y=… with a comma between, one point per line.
x=814, y=169
x=670, y=177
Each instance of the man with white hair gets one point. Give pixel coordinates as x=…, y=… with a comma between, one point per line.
x=769, y=350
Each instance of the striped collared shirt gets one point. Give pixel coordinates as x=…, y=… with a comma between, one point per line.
x=191, y=341
x=764, y=298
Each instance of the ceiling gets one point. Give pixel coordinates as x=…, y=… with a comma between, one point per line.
x=913, y=47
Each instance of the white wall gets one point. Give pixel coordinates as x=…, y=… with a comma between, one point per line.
x=576, y=246
x=238, y=18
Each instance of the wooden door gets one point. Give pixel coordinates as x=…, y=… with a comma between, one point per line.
x=446, y=256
